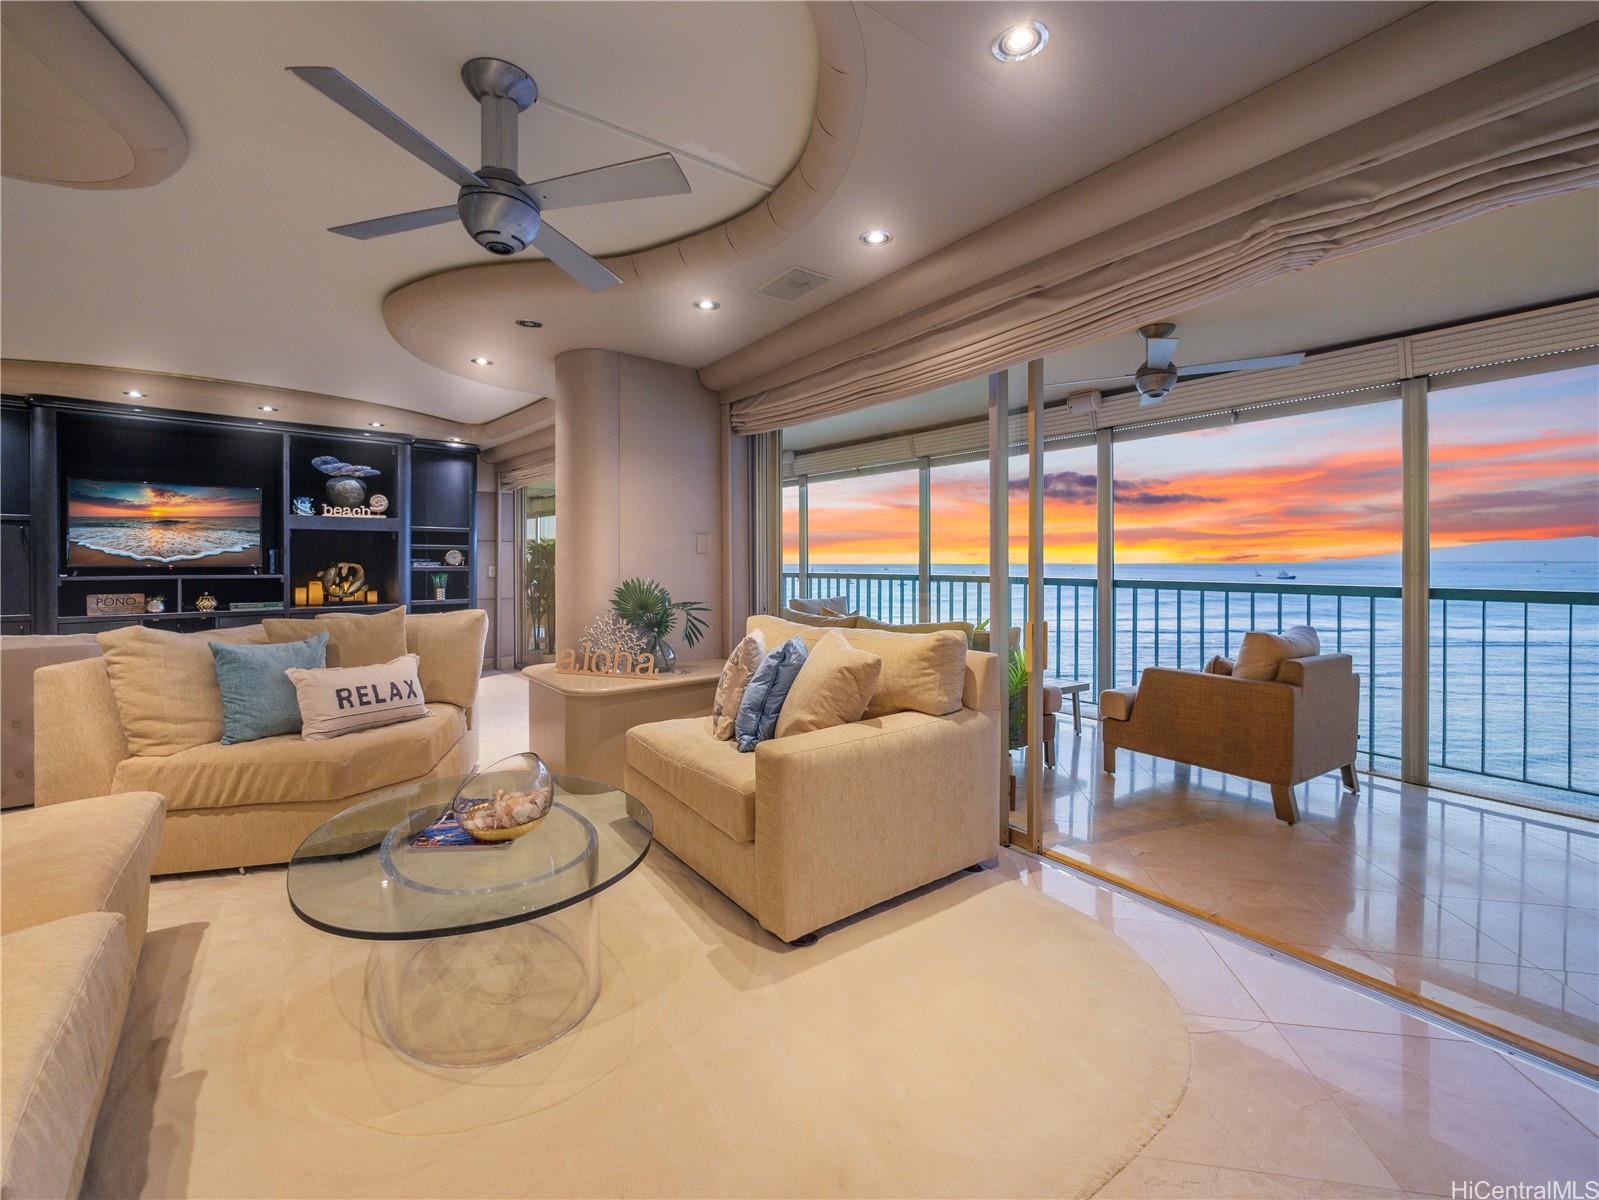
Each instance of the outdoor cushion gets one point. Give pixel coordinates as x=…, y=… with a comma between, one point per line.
x=290, y=770
x=1261, y=654
x=165, y=685
x=64, y=992
x=1116, y=704
x=832, y=687
x=709, y=775
x=257, y=698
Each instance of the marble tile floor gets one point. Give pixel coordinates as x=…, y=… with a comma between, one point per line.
x=1302, y=1085
x=1484, y=908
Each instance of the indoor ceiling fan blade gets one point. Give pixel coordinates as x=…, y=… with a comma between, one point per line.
x=573, y=259
x=362, y=104
x=1265, y=363
x=398, y=223
x=1159, y=351
x=657, y=175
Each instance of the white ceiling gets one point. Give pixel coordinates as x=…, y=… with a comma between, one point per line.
x=1522, y=257
x=225, y=271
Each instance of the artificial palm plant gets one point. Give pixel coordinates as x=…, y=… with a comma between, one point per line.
x=648, y=606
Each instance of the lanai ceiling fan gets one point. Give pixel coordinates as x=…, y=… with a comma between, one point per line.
x=1159, y=374
x=503, y=213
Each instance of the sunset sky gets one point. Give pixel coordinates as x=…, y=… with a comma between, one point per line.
x=90, y=498
x=1512, y=460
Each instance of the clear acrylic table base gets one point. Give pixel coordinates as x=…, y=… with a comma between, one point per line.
x=477, y=999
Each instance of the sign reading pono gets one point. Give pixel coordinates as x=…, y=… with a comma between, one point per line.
x=114, y=604
x=586, y=660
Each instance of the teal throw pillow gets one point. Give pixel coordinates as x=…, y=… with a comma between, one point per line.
x=258, y=701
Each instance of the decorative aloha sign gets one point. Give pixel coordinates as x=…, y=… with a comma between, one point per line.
x=618, y=660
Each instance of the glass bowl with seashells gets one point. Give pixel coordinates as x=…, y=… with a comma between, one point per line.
x=505, y=800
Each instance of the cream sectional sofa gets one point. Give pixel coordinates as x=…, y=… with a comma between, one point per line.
x=74, y=896
x=254, y=802
x=815, y=827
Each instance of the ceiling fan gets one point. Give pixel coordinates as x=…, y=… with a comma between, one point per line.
x=1159, y=374
x=503, y=213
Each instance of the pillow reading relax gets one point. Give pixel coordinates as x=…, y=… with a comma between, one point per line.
x=339, y=700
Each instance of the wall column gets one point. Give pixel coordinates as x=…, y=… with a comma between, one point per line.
x=637, y=445
x=1416, y=552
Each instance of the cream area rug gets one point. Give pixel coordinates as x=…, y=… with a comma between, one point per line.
x=974, y=1039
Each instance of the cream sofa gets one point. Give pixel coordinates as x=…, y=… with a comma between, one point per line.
x=74, y=895
x=815, y=827
x=253, y=803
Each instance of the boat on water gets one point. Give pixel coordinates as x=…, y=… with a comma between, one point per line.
x=1286, y=575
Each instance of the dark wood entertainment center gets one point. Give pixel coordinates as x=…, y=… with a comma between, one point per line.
x=46, y=440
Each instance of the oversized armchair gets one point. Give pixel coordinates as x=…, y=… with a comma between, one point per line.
x=1280, y=732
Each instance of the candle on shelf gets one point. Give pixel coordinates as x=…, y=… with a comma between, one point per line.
x=371, y=595
x=314, y=592
x=299, y=597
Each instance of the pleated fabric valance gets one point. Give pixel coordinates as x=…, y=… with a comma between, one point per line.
x=1522, y=129
x=526, y=470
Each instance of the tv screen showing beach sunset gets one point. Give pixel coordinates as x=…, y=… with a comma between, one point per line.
x=117, y=526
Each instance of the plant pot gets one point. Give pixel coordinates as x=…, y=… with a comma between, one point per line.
x=438, y=593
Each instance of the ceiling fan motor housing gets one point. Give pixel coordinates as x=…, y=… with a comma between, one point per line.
x=1154, y=382
x=499, y=216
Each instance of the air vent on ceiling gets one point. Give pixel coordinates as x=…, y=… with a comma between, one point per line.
x=794, y=283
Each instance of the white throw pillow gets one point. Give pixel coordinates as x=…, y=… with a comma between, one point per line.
x=736, y=676
x=339, y=700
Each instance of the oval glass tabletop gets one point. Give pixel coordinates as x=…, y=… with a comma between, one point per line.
x=358, y=875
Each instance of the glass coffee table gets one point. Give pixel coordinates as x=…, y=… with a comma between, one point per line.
x=483, y=953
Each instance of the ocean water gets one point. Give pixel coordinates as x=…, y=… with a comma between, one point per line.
x=1514, y=674
x=140, y=539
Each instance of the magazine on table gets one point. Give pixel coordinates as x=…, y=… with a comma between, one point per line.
x=445, y=833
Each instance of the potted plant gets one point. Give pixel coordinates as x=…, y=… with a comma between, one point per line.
x=647, y=606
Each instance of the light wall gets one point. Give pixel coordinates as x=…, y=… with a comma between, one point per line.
x=638, y=485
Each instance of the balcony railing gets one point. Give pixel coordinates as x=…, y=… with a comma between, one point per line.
x=1514, y=675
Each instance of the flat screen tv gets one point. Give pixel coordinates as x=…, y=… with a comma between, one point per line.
x=156, y=526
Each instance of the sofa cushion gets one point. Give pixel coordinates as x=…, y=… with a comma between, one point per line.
x=821, y=620
x=922, y=672
x=1116, y=704
x=1261, y=654
x=258, y=700
x=165, y=685
x=450, y=647
x=965, y=628
x=289, y=770
x=337, y=701
x=832, y=687
x=64, y=992
x=82, y=856
x=354, y=639
x=768, y=689
x=736, y=674
x=708, y=775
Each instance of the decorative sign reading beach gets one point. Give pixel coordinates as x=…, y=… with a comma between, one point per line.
x=586, y=660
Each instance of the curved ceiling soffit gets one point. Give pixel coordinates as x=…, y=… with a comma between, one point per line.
x=835, y=128
x=87, y=118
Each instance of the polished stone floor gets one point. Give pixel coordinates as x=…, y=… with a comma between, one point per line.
x=1483, y=908
x=1302, y=1085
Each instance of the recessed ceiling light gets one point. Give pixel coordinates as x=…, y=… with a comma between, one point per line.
x=480, y=361
x=529, y=323
x=457, y=441
x=877, y=237
x=267, y=407
x=1020, y=40
x=137, y=395
x=375, y=424
x=706, y=305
